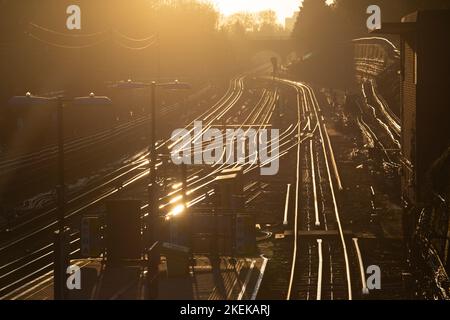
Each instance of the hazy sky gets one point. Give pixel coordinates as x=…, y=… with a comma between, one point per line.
x=283, y=8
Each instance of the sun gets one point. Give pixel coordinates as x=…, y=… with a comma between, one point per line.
x=283, y=8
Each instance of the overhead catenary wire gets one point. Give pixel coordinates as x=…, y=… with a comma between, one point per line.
x=64, y=46
x=95, y=34
x=134, y=39
x=135, y=48
x=90, y=35
x=153, y=38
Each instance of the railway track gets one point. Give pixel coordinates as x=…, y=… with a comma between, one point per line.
x=37, y=261
x=385, y=121
x=313, y=256
x=29, y=254
x=320, y=266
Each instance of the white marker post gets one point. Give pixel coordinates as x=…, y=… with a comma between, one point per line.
x=319, y=272
x=286, y=206
x=365, y=290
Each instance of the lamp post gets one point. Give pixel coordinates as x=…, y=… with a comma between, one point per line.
x=153, y=253
x=152, y=188
x=61, y=241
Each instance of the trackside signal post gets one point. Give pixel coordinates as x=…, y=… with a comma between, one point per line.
x=62, y=235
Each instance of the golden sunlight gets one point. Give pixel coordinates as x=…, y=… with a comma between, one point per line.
x=283, y=8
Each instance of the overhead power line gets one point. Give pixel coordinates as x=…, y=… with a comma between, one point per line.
x=95, y=34
x=64, y=46
x=112, y=35
x=89, y=35
x=134, y=39
x=135, y=48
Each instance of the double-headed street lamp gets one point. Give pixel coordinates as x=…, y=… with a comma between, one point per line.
x=152, y=188
x=61, y=236
x=153, y=251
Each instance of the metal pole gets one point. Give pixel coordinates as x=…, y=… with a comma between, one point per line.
x=61, y=183
x=187, y=227
x=154, y=256
x=152, y=162
x=158, y=56
x=60, y=241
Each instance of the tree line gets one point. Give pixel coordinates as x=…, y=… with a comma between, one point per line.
x=260, y=24
x=118, y=40
x=320, y=25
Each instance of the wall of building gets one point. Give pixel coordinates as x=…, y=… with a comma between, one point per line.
x=425, y=101
x=408, y=118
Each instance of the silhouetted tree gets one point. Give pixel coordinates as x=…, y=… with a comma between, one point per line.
x=267, y=23
x=429, y=4
x=352, y=16
x=239, y=24
x=262, y=23
x=191, y=44
x=314, y=26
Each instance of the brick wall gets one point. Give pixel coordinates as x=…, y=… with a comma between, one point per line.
x=408, y=117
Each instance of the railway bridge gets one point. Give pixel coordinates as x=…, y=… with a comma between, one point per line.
x=281, y=47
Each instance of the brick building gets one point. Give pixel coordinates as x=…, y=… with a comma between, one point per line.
x=425, y=138
x=425, y=99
